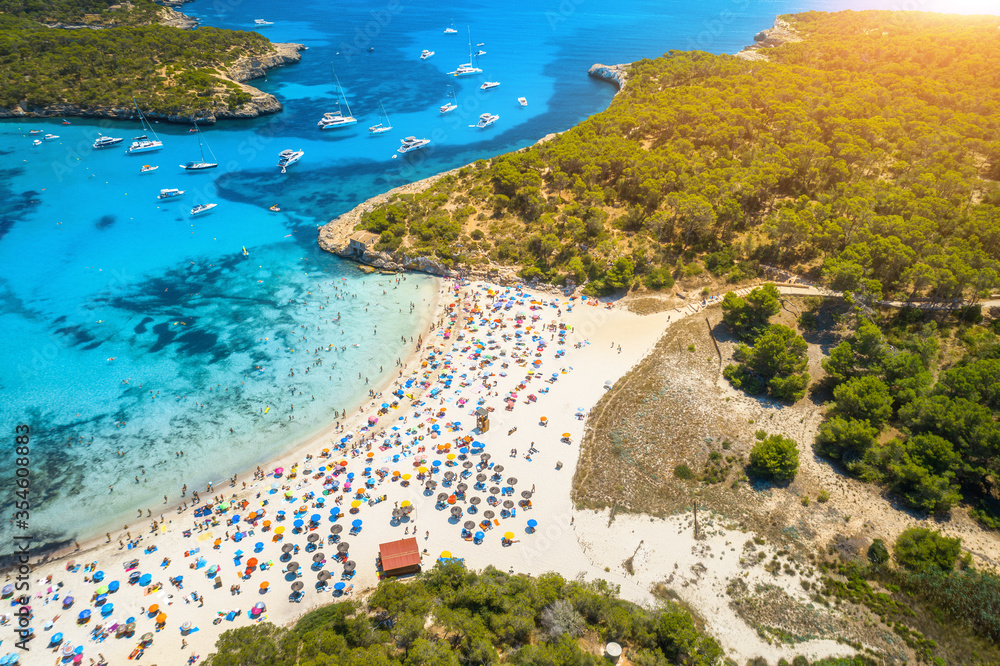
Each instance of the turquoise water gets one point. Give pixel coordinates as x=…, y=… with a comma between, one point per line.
x=134, y=331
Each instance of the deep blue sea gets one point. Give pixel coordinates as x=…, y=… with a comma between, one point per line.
x=133, y=331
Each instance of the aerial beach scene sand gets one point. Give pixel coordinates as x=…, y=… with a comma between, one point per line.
x=646, y=335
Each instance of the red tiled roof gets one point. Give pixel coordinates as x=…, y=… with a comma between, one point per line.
x=399, y=554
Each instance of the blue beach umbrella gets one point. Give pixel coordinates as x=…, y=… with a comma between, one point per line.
x=99, y=576
x=339, y=586
x=298, y=522
x=315, y=518
x=356, y=523
x=436, y=463
x=258, y=547
x=480, y=535
x=84, y=615
x=107, y=609
x=335, y=511
x=57, y=637
x=113, y=586
x=532, y=523
x=145, y=579
x=235, y=519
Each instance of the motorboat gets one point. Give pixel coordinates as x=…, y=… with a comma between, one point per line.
x=34, y=132
x=412, y=143
x=148, y=168
x=287, y=158
x=337, y=119
x=143, y=144
x=450, y=30
x=467, y=69
x=36, y=142
x=203, y=208
x=489, y=84
x=169, y=193
x=480, y=52
x=383, y=125
x=261, y=22
x=50, y=137
x=274, y=209
x=487, y=119
x=450, y=106
x=203, y=164
x=522, y=101
x=425, y=54
x=66, y=122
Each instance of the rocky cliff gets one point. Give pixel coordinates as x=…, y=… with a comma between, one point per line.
x=616, y=74
x=780, y=33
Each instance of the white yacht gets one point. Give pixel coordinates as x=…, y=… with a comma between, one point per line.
x=412, y=143
x=287, y=158
x=50, y=137
x=203, y=208
x=337, y=119
x=425, y=54
x=169, y=193
x=489, y=84
x=383, y=122
x=203, y=164
x=148, y=168
x=450, y=106
x=34, y=132
x=143, y=144
x=522, y=101
x=261, y=23
x=480, y=52
x=467, y=69
x=36, y=142
x=487, y=119
x=106, y=141
x=450, y=30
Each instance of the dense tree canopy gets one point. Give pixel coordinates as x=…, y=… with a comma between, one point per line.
x=169, y=70
x=868, y=154
x=450, y=616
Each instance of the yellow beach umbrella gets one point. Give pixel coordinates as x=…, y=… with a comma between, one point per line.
x=355, y=504
x=445, y=555
x=508, y=535
x=422, y=469
x=450, y=456
x=406, y=477
x=405, y=503
x=279, y=530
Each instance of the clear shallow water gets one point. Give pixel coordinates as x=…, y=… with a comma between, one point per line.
x=93, y=267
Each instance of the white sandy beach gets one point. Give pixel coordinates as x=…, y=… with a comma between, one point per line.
x=570, y=349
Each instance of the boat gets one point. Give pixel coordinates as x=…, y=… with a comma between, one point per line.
x=487, y=119
x=50, y=137
x=169, y=193
x=203, y=164
x=450, y=30
x=261, y=22
x=147, y=168
x=522, y=101
x=467, y=69
x=203, y=208
x=106, y=141
x=425, y=54
x=36, y=142
x=245, y=253
x=489, y=84
x=65, y=122
x=480, y=52
x=287, y=158
x=274, y=209
x=412, y=143
x=34, y=132
x=143, y=144
x=336, y=119
x=450, y=106
x=383, y=125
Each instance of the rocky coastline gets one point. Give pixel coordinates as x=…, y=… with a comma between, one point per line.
x=780, y=33
x=244, y=69
x=616, y=74
x=334, y=237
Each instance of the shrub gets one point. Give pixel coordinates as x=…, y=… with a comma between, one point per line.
x=561, y=618
x=748, y=317
x=823, y=496
x=920, y=548
x=776, y=458
x=878, y=554
x=684, y=472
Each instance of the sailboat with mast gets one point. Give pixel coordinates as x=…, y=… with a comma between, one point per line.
x=203, y=164
x=383, y=122
x=337, y=119
x=450, y=106
x=467, y=69
x=143, y=144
